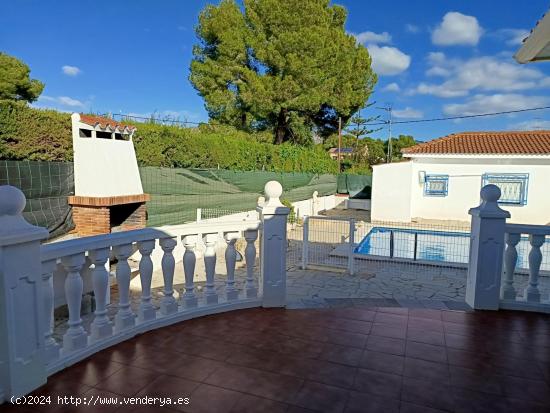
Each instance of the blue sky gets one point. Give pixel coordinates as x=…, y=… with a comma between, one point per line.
x=434, y=58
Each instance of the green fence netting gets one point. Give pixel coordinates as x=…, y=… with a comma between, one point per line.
x=46, y=186
x=176, y=193
x=357, y=186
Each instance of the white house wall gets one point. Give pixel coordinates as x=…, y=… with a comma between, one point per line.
x=391, y=192
x=465, y=180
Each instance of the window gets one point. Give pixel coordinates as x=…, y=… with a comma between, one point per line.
x=436, y=185
x=513, y=187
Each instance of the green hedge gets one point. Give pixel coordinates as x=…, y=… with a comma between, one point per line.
x=28, y=133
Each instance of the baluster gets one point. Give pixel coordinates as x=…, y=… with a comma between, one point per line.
x=75, y=338
x=168, y=304
x=230, y=262
x=508, y=292
x=51, y=348
x=146, y=310
x=532, y=292
x=250, y=255
x=124, y=318
x=189, y=261
x=210, y=266
x=101, y=326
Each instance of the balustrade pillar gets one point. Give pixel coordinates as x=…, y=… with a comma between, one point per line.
x=250, y=256
x=486, y=251
x=508, y=292
x=532, y=292
x=22, y=325
x=210, y=294
x=75, y=338
x=168, y=304
x=230, y=262
x=101, y=326
x=189, y=261
x=273, y=247
x=51, y=347
x=146, y=309
x=124, y=318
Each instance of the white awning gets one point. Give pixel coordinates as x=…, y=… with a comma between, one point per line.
x=537, y=46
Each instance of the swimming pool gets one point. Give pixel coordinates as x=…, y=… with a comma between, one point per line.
x=425, y=245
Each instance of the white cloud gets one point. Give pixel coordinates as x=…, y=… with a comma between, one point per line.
x=392, y=87
x=533, y=124
x=71, y=70
x=51, y=101
x=479, y=104
x=486, y=73
x=388, y=60
x=411, y=28
x=408, y=113
x=513, y=37
x=457, y=29
x=371, y=37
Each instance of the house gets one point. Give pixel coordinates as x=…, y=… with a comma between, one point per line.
x=344, y=152
x=441, y=179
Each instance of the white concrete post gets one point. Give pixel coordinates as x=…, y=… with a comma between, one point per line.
x=486, y=251
x=351, y=258
x=273, y=245
x=315, y=203
x=22, y=354
x=305, y=243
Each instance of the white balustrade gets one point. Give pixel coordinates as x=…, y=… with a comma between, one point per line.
x=230, y=262
x=75, y=338
x=168, y=304
x=532, y=292
x=491, y=237
x=124, y=318
x=189, y=262
x=101, y=326
x=27, y=270
x=210, y=294
x=51, y=348
x=250, y=257
x=510, y=261
x=146, y=310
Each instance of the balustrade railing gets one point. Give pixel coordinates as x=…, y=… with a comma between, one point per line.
x=29, y=350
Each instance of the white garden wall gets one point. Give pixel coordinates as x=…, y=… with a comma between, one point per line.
x=391, y=192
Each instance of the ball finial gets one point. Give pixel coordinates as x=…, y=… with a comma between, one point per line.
x=273, y=190
x=490, y=193
x=12, y=200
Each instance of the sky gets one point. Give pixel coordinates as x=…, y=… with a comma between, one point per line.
x=433, y=58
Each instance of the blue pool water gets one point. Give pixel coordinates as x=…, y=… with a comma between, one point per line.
x=452, y=247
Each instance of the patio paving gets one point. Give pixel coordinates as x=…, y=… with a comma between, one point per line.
x=360, y=359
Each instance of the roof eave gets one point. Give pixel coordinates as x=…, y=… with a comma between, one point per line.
x=535, y=43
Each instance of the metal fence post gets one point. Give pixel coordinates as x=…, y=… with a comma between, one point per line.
x=415, y=245
x=391, y=244
x=351, y=260
x=305, y=248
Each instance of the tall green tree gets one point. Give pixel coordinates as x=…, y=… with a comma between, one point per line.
x=15, y=81
x=282, y=65
x=399, y=143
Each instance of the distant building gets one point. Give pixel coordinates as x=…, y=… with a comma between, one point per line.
x=442, y=178
x=344, y=152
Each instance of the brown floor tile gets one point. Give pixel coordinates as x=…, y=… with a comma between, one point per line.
x=321, y=397
x=426, y=370
x=407, y=407
x=393, y=319
x=90, y=371
x=394, y=310
x=426, y=324
x=388, y=363
x=478, y=380
x=378, y=383
x=211, y=399
x=253, y=404
x=525, y=389
x=427, y=393
x=425, y=313
x=347, y=339
x=426, y=352
x=354, y=313
x=259, y=383
x=468, y=401
x=168, y=386
x=386, y=345
x=128, y=381
x=389, y=330
x=368, y=403
x=333, y=374
x=350, y=356
x=424, y=336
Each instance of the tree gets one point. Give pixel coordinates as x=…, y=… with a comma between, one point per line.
x=15, y=82
x=403, y=141
x=282, y=65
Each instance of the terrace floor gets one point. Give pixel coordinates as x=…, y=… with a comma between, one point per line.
x=358, y=359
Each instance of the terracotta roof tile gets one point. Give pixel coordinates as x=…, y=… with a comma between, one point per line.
x=103, y=122
x=518, y=142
